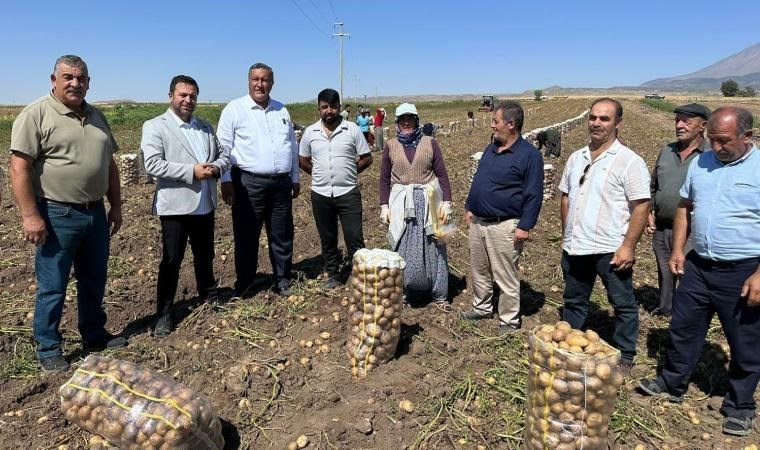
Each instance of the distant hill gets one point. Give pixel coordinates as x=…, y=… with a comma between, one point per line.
x=742, y=67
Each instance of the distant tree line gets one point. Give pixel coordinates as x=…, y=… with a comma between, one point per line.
x=730, y=88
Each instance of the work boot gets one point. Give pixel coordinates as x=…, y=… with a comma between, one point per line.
x=55, y=363
x=108, y=342
x=164, y=326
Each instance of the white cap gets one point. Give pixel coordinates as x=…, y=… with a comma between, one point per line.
x=406, y=108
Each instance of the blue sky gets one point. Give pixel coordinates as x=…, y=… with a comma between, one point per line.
x=133, y=48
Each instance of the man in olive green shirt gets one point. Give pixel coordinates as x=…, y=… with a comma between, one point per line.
x=61, y=167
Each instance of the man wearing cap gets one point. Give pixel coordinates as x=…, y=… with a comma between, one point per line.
x=263, y=181
x=501, y=210
x=668, y=176
x=720, y=209
x=334, y=152
x=61, y=167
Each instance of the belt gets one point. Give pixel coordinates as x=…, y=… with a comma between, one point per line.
x=266, y=176
x=89, y=206
x=496, y=219
x=724, y=264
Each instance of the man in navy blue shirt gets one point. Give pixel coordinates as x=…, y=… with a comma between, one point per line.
x=501, y=209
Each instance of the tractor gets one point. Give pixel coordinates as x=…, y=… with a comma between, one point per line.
x=486, y=104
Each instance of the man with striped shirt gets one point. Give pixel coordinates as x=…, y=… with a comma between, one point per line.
x=604, y=207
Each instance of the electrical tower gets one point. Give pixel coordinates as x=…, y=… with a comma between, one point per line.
x=340, y=36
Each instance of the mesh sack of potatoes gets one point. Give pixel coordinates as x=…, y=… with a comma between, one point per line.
x=136, y=408
x=130, y=171
x=573, y=382
x=377, y=286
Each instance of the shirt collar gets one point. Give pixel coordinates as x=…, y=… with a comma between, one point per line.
x=511, y=148
x=181, y=123
x=614, y=148
x=746, y=156
x=254, y=105
x=62, y=109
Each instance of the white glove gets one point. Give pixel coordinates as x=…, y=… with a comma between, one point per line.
x=444, y=212
x=385, y=214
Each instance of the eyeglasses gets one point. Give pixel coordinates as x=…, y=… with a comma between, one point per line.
x=583, y=177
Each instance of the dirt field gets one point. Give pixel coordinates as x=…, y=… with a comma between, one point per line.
x=467, y=385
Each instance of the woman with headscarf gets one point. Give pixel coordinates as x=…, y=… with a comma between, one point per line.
x=412, y=175
x=379, y=117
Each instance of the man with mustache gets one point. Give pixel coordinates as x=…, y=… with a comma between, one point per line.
x=61, y=167
x=263, y=181
x=182, y=152
x=604, y=207
x=328, y=152
x=720, y=209
x=668, y=176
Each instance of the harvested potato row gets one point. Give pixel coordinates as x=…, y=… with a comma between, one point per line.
x=573, y=382
x=374, y=310
x=136, y=408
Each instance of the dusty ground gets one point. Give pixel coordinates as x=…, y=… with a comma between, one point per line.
x=467, y=385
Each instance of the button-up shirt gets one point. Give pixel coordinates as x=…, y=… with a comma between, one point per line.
x=668, y=175
x=195, y=137
x=725, y=219
x=599, y=211
x=508, y=184
x=261, y=140
x=334, y=167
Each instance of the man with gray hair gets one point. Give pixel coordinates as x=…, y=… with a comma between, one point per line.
x=720, y=209
x=61, y=167
x=668, y=176
x=263, y=181
x=501, y=209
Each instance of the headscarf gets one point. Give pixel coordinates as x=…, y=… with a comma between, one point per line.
x=411, y=138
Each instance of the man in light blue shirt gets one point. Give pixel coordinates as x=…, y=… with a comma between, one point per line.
x=263, y=181
x=720, y=204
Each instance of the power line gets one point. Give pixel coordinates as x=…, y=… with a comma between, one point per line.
x=329, y=2
x=309, y=18
x=319, y=12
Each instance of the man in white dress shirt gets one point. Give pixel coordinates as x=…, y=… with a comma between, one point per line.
x=263, y=180
x=182, y=152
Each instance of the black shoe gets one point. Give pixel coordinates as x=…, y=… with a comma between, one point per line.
x=109, y=342
x=164, y=326
x=332, y=283
x=656, y=388
x=659, y=312
x=54, y=363
x=737, y=426
x=507, y=329
x=283, y=288
x=474, y=315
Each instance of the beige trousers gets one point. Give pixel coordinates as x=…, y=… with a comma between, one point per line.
x=493, y=260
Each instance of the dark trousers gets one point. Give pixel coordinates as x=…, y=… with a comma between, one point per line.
x=261, y=201
x=662, y=244
x=707, y=288
x=327, y=211
x=175, y=232
x=580, y=273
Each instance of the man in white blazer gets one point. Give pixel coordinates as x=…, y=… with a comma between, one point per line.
x=184, y=155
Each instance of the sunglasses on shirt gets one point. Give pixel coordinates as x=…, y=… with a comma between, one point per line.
x=583, y=177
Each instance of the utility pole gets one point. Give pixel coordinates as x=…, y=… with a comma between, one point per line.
x=356, y=82
x=340, y=36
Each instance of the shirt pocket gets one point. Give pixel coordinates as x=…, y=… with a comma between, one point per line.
x=746, y=194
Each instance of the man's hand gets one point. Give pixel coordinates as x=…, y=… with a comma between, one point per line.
x=521, y=235
x=676, y=262
x=114, y=219
x=204, y=171
x=468, y=218
x=385, y=214
x=444, y=212
x=296, y=189
x=650, y=223
x=34, y=229
x=228, y=193
x=751, y=289
x=623, y=258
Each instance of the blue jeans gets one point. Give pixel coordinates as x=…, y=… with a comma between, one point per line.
x=79, y=237
x=580, y=273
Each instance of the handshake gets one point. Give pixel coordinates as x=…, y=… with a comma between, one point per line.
x=205, y=171
x=444, y=213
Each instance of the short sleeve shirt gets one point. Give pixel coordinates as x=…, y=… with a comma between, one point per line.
x=334, y=169
x=71, y=153
x=599, y=210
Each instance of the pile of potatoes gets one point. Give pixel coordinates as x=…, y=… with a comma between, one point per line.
x=573, y=382
x=375, y=303
x=136, y=408
x=129, y=171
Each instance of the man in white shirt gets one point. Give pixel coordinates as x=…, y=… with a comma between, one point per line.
x=328, y=152
x=182, y=152
x=604, y=207
x=263, y=180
